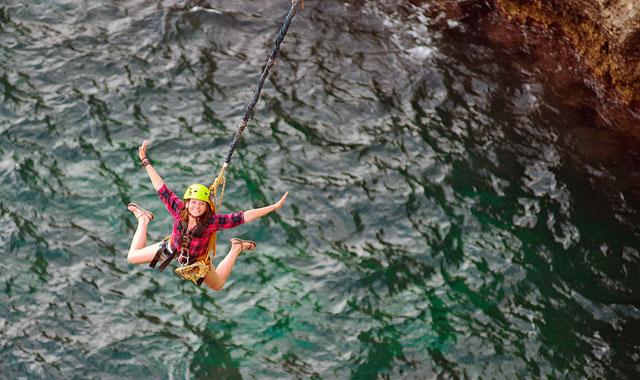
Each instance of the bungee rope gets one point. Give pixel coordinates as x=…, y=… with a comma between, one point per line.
x=265, y=72
x=197, y=271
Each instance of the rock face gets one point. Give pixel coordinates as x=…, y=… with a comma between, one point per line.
x=606, y=33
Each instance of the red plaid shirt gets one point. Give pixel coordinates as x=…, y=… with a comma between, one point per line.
x=198, y=244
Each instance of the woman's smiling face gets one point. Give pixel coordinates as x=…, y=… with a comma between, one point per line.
x=196, y=207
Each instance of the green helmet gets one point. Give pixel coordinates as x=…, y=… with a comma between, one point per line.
x=197, y=191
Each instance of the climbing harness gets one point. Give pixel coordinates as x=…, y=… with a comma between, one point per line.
x=193, y=271
x=188, y=270
x=197, y=271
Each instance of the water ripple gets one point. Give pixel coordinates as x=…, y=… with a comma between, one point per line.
x=455, y=210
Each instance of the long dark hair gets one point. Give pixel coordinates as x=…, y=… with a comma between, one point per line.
x=202, y=221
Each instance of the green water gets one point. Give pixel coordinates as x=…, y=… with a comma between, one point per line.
x=453, y=213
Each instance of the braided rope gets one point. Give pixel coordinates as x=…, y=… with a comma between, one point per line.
x=246, y=116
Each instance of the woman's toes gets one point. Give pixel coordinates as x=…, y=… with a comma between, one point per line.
x=135, y=211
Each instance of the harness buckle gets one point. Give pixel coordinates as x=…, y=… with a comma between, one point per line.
x=183, y=258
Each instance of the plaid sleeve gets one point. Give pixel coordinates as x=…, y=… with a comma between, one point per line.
x=170, y=200
x=225, y=221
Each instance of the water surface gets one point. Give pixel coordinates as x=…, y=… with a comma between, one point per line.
x=462, y=204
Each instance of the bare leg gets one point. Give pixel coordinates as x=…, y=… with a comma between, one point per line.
x=140, y=236
x=216, y=277
x=138, y=252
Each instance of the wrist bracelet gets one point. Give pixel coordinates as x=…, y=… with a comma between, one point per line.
x=145, y=162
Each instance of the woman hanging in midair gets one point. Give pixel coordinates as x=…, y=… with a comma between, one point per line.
x=194, y=220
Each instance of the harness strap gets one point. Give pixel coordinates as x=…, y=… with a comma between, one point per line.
x=164, y=265
x=153, y=262
x=158, y=255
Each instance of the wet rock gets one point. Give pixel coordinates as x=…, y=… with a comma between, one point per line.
x=606, y=34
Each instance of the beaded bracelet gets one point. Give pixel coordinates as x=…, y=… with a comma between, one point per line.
x=145, y=162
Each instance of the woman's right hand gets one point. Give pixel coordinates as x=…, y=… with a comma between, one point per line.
x=142, y=150
x=280, y=203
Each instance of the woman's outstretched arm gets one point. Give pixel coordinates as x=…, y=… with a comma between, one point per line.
x=251, y=215
x=156, y=180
